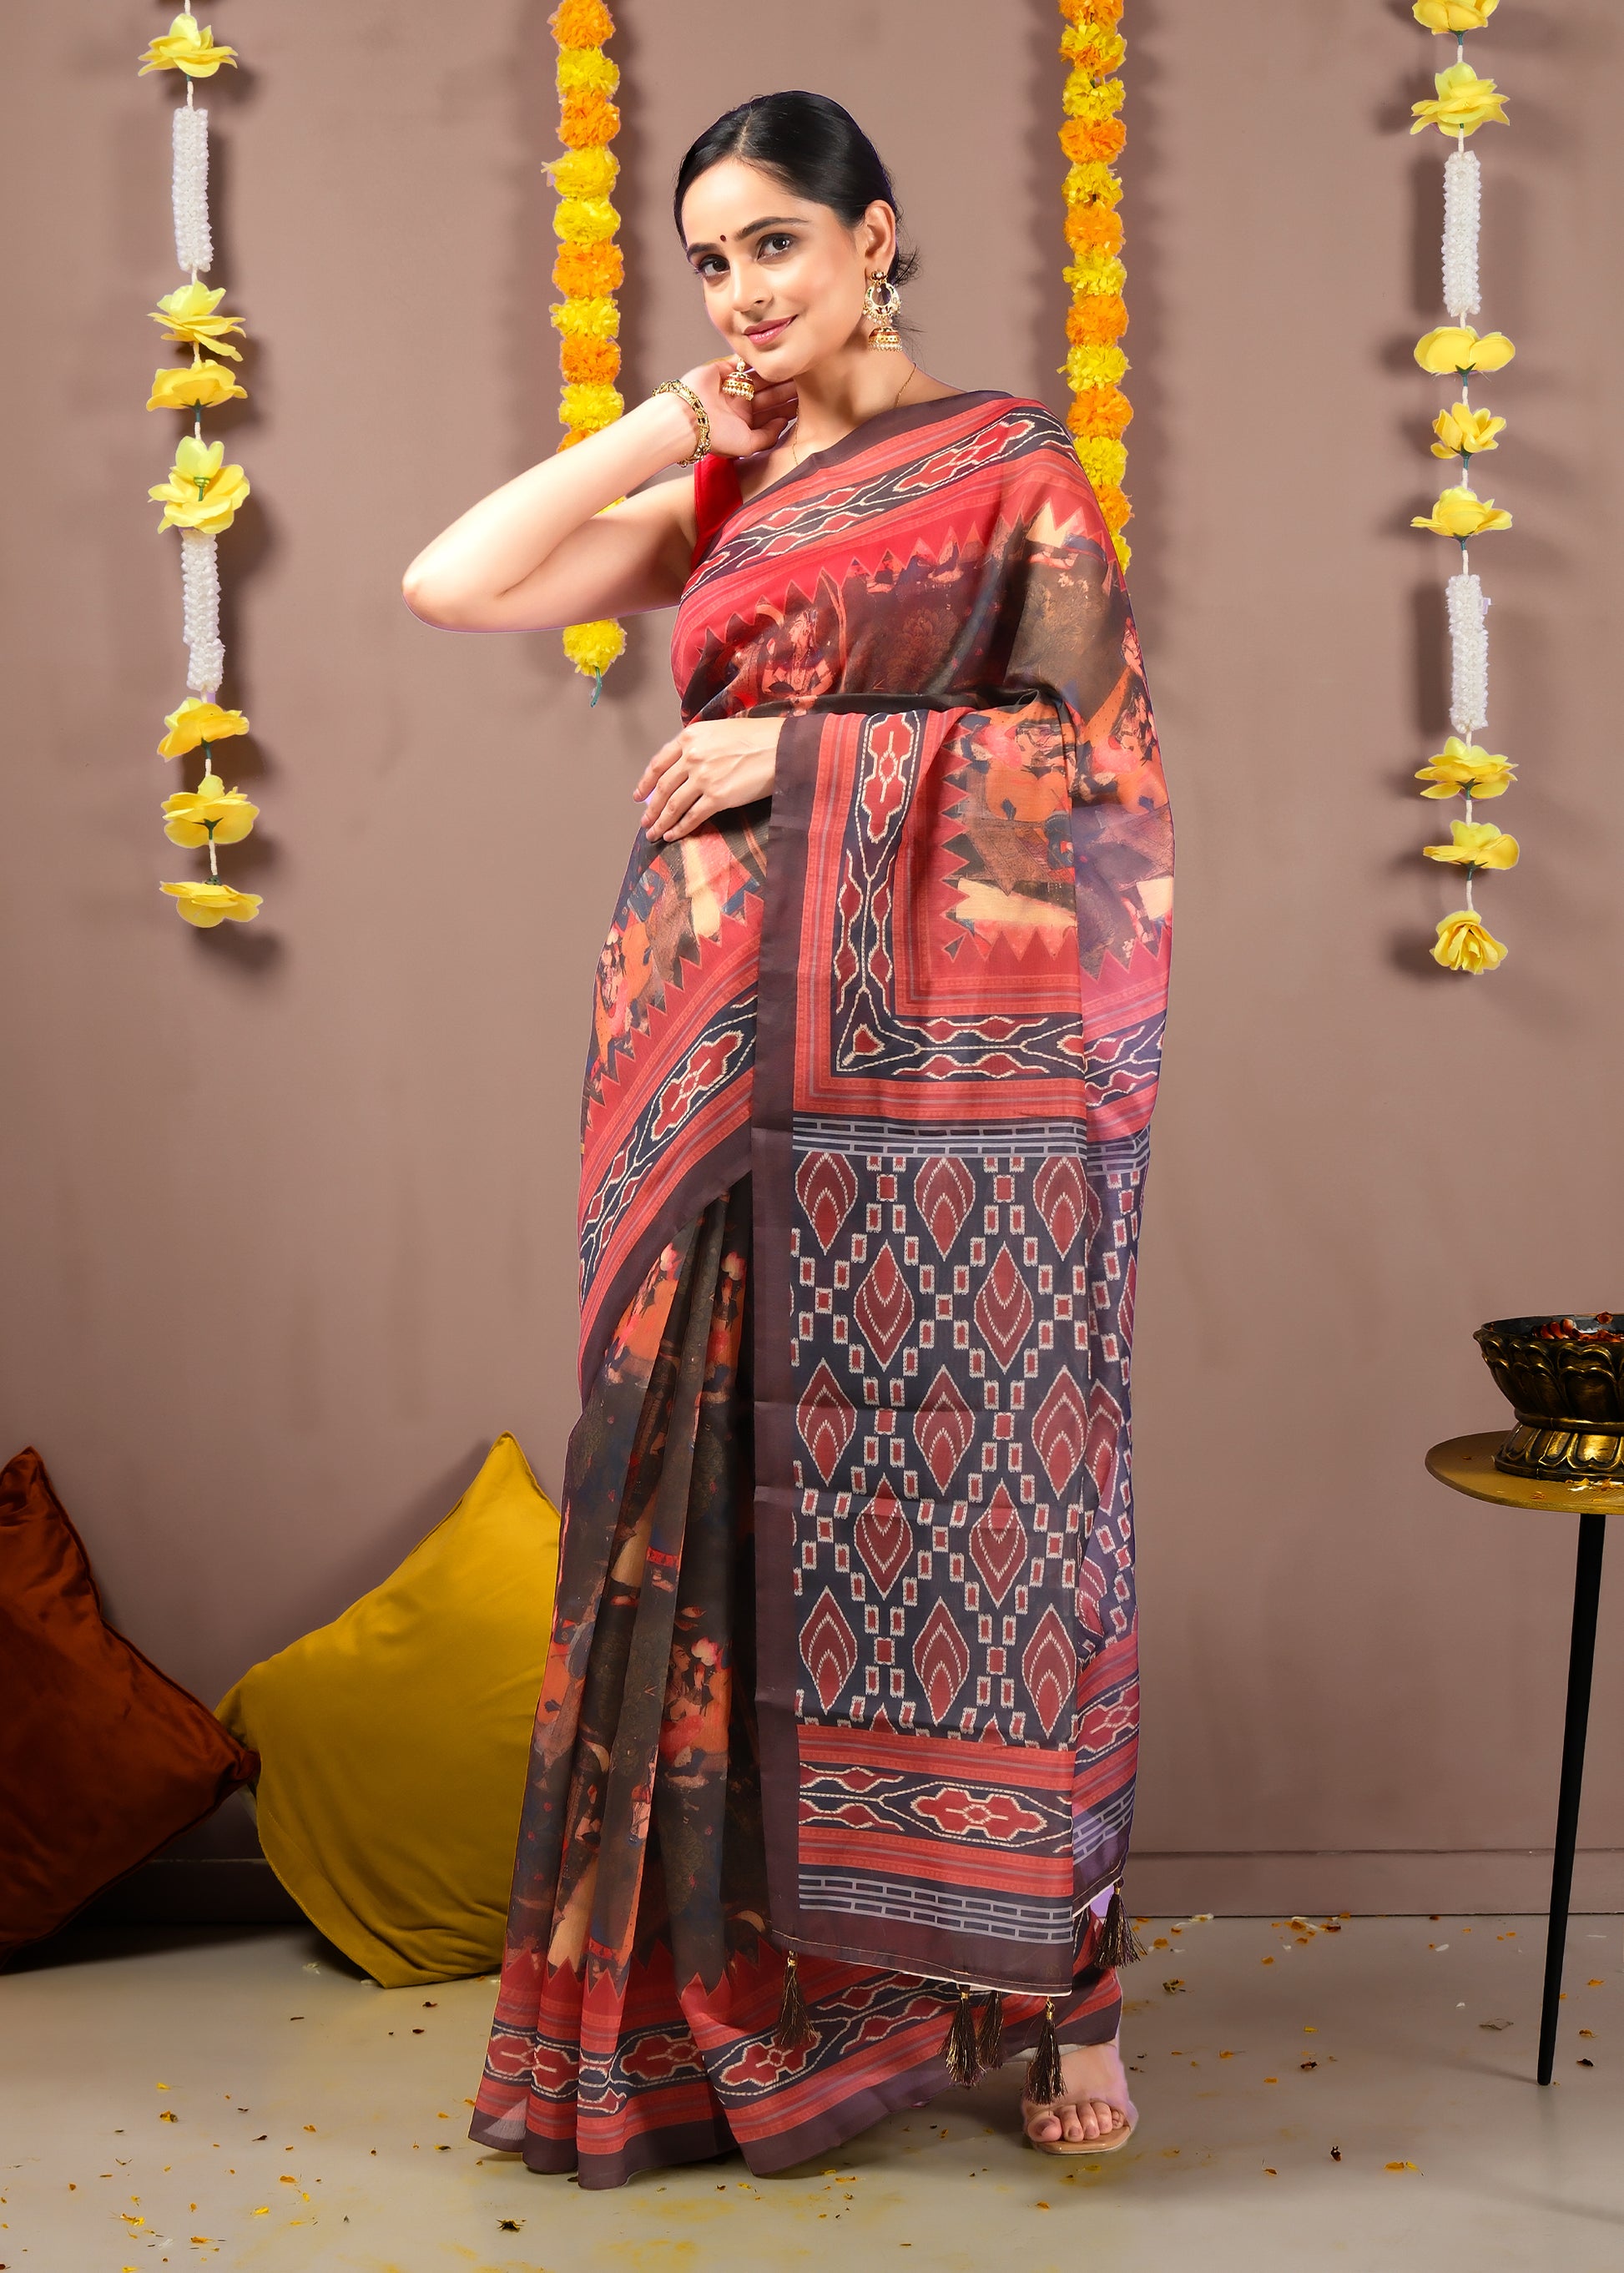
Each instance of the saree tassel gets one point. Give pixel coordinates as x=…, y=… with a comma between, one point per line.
x=990, y=2036
x=1044, y=2080
x=794, y=2032
x=1119, y=1944
x=960, y=2049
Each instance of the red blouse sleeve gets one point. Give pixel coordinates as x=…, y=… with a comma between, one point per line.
x=717, y=498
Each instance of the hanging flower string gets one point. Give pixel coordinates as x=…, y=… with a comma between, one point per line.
x=589, y=269
x=201, y=496
x=1463, y=768
x=1092, y=138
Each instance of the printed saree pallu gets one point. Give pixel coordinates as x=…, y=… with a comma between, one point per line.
x=844, y=1656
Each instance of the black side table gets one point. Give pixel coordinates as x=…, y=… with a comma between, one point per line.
x=1466, y=1464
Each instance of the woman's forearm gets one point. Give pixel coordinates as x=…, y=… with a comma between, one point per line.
x=508, y=536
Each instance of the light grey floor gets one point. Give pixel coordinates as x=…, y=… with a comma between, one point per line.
x=243, y=2098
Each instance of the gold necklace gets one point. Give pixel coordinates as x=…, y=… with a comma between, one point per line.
x=912, y=374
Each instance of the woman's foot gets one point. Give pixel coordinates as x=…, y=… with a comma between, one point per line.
x=1093, y=2103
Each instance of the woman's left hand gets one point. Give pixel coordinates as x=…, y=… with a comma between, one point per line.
x=712, y=765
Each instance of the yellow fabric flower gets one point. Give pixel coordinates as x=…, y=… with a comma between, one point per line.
x=1459, y=513
x=200, y=492
x=584, y=221
x=206, y=904
x=592, y=647
x=1095, y=270
x=591, y=403
x=1453, y=15
x=1478, y=845
x=1460, y=428
x=596, y=318
x=1094, y=366
x=194, y=815
x=1466, y=943
x=1462, y=766
x=1092, y=180
x=204, y=383
x=1103, y=460
x=582, y=71
x=185, y=46
x=1093, y=49
x=197, y=721
x=189, y=311
x=1457, y=348
x=1465, y=103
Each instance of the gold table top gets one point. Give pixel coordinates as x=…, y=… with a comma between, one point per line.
x=1466, y=1464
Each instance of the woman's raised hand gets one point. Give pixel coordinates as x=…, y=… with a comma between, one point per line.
x=709, y=767
x=739, y=429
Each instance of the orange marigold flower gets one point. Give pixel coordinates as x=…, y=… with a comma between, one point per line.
x=584, y=357
x=1095, y=229
x=1114, y=507
x=585, y=272
x=581, y=23
x=1083, y=139
x=1097, y=318
x=587, y=120
x=1102, y=410
x=1091, y=11
x=577, y=434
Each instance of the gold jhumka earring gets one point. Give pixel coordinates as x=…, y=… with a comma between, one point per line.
x=739, y=382
x=881, y=301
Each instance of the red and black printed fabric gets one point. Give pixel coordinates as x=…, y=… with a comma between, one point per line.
x=910, y=1015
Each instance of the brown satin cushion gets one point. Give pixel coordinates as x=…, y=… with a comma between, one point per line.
x=103, y=1759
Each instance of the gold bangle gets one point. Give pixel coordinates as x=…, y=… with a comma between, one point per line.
x=701, y=443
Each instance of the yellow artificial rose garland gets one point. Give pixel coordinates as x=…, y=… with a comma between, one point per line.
x=1455, y=350
x=589, y=267
x=1092, y=138
x=202, y=494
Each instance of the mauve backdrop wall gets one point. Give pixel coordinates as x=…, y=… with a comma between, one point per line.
x=288, y=1211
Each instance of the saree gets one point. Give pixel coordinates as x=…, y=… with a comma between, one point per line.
x=843, y=1672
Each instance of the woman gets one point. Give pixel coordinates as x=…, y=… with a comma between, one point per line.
x=832, y=1770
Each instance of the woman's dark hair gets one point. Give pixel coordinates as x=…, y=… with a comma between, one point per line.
x=810, y=143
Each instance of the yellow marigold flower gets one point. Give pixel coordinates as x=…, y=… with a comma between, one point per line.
x=598, y=318
x=206, y=904
x=1100, y=411
x=1092, y=105
x=1462, y=766
x=1460, y=428
x=1094, y=366
x=584, y=71
x=185, y=46
x=1453, y=15
x=581, y=272
x=189, y=311
x=1478, y=845
x=211, y=809
x=1461, y=512
x=1457, y=348
x=200, y=492
x=205, y=383
x=199, y=720
x=1091, y=181
x=584, y=173
x=1466, y=943
x=584, y=221
x=1465, y=103
x=592, y=647
x=1103, y=460
x=590, y=404
x=583, y=23
x=1124, y=550
x=1093, y=49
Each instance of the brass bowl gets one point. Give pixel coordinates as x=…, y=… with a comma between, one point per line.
x=1564, y=1378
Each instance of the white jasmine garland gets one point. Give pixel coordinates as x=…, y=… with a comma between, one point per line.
x=1462, y=206
x=194, y=247
x=1468, y=640
x=200, y=572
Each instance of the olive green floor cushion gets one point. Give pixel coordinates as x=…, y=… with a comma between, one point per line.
x=393, y=1742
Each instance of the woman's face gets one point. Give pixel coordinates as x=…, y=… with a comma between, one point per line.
x=783, y=278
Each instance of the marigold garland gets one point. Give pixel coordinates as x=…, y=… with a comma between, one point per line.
x=1092, y=138
x=1456, y=351
x=589, y=268
x=202, y=494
